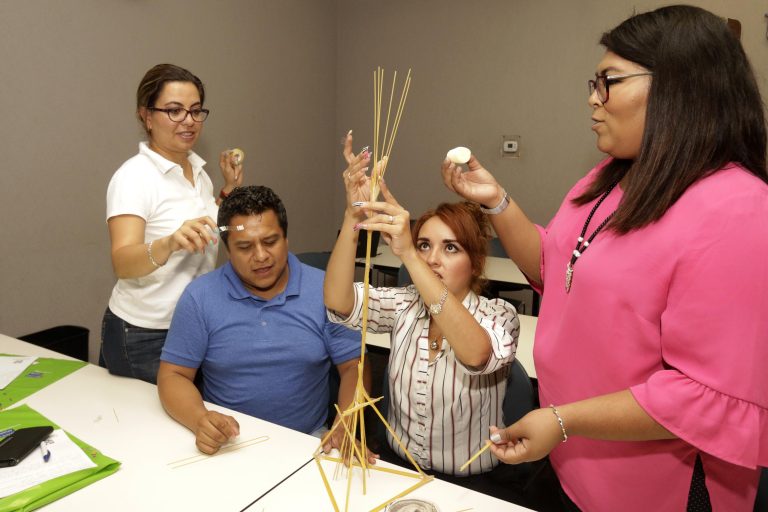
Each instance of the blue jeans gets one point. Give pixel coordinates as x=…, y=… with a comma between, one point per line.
x=128, y=350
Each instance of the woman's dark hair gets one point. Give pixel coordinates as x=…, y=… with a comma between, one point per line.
x=154, y=80
x=704, y=110
x=472, y=230
x=251, y=200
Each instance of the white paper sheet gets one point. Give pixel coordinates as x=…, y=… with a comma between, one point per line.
x=66, y=457
x=11, y=367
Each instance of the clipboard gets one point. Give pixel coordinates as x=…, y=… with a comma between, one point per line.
x=39, y=495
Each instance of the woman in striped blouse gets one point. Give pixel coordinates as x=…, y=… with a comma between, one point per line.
x=450, y=347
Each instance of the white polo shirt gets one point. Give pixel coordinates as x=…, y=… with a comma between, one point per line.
x=154, y=188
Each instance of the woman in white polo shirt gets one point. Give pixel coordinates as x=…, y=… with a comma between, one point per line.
x=160, y=211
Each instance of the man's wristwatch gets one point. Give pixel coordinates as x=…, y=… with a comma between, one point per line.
x=435, y=309
x=499, y=207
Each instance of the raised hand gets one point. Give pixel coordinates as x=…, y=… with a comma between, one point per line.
x=356, y=182
x=231, y=170
x=476, y=184
x=391, y=219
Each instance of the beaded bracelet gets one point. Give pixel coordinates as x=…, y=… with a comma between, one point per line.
x=560, y=421
x=151, y=259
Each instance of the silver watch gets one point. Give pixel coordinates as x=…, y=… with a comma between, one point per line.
x=499, y=207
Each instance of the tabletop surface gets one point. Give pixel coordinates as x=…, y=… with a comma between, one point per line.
x=162, y=469
x=496, y=269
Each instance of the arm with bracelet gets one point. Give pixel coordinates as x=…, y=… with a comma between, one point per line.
x=519, y=236
x=612, y=417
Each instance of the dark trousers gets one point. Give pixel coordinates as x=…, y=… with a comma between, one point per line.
x=526, y=485
x=128, y=350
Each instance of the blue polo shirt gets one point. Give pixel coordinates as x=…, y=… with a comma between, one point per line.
x=266, y=358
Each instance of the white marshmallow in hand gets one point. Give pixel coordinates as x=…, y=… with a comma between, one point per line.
x=237, y=155
x=459, y=155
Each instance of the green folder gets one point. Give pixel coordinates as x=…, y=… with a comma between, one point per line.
x=41, y=373
x=36, y=496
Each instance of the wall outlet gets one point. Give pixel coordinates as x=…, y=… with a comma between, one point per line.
x=510, y=146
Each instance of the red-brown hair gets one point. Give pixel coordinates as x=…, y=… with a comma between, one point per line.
x=472, y=230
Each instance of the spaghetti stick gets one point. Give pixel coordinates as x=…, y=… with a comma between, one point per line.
x=479, y=452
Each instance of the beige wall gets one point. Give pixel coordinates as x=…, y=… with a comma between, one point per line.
x=482, y=69
x=285, y=79
x=67, y=97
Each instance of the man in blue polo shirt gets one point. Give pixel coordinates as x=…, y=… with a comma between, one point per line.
x=258, y=330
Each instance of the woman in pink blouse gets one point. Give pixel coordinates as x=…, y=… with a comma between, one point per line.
x=450, y=348
x=653, y=332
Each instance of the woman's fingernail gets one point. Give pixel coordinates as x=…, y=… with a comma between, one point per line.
x=356, y=227
x=357, y=203
x=211, y=243
x=496, y=438
x=349, y=132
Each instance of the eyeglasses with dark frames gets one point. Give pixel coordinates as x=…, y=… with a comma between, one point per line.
x=602, y=83
x=179, y=114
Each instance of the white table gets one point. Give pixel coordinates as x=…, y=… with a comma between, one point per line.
x=524, y=342
x=125, y=420
x=303, y=491
x=502, y=270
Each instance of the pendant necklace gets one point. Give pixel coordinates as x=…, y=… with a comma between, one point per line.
x=581, y=244
x=433, y=343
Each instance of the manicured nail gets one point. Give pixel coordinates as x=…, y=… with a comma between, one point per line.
x=349, y=132
x=496, y=438
x=356, y=227
x=357, y=203
x=211, y=242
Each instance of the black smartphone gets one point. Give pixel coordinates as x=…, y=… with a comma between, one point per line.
x=18, y=445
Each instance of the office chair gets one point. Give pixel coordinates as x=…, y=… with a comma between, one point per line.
x=315, y=259
x=519, y=399
x=761, y=500
x=403, y=277
x=495, y=249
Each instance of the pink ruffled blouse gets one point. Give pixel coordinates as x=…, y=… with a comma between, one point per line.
x=677, y=312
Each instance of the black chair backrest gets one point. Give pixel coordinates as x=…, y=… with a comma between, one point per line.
x=495, y=249
x=315, y=259
x=362, y=243
x=403, y=277
x=761, y=500
x=334, y=382
x=519, y=398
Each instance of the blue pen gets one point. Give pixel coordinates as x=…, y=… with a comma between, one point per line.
x=45, y=452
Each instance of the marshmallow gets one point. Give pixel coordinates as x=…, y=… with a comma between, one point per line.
x=237, y=155
x=459, y=155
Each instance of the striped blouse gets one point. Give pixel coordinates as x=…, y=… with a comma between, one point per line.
x=440, y=410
